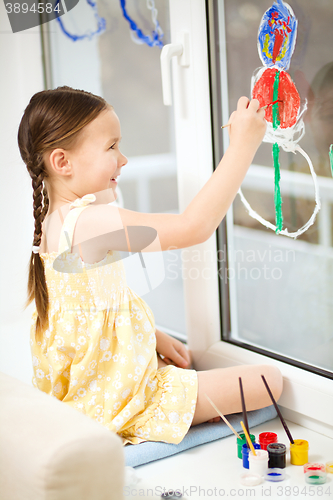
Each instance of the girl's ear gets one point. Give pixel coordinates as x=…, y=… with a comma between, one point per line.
x=59, y=162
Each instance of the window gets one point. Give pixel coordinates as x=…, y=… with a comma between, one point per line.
x=307, y=397
x=277, y=292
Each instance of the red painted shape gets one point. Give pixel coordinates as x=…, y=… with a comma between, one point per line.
x=287, y=93
x=279, y=37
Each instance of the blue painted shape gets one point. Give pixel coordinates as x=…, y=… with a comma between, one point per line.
x=277, y=35
x=152, y=41
x=101, y=24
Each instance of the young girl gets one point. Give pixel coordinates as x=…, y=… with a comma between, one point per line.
x=93, y=340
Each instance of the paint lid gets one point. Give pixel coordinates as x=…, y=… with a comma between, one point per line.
x=276, y=448
x=250, y=479
x=329, y=466
x=314, y=466
x=275, y=474
x=315, y=477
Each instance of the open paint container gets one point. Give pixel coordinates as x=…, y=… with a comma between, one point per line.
x=275, y=474
x=299, y=452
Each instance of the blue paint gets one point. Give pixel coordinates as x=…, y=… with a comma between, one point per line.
x=154, y=40
x=101, y=24
x=279, y=25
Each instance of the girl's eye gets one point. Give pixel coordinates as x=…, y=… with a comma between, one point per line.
x=113, y=145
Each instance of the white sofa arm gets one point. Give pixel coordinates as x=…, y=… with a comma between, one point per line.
x=50, y=451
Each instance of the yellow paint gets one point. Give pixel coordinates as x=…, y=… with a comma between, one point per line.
x=265, y=47
x=299, y=452
x=283, y=51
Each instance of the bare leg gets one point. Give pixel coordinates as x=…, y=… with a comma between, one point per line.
x=222, y=387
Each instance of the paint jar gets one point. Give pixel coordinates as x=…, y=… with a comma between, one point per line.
x=266, y=438
x=277, y=455
x=329, y=467
x=245, y=454
x=315, y=477
x=259, y=462
x=299, y=452
x=275, y=474
x=307, y=467
x=242, y=441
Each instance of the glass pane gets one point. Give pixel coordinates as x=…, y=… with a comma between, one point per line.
x=127, y=75
x=283, y=299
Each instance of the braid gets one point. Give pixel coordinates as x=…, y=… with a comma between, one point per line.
x=37, y=176
x=37, y=288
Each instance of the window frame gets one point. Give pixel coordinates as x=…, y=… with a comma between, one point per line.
x=307, y=398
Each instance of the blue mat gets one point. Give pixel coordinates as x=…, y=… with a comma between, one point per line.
x=149, y=451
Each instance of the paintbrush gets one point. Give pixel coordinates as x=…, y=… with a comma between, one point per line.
x=278, y=410
x=248, y=439
x=263, y=107
x=243, y=405
x=223, y=418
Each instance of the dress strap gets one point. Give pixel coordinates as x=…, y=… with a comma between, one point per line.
x=69, y=223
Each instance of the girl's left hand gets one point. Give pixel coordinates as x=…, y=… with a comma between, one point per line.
x=174, y=352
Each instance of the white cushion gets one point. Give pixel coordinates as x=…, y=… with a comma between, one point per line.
x=50, y=451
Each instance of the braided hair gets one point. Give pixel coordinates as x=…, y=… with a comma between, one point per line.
x=53, y=119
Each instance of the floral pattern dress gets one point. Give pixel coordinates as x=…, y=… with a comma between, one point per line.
x=98, y=354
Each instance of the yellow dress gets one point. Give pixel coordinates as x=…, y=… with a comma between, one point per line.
x=99, y=353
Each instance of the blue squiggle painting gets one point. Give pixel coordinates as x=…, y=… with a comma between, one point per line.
x=277, y=35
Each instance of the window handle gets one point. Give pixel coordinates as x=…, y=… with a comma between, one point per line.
x=181, y=50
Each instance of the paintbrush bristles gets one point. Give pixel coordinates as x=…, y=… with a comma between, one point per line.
x=223, y=418
x=278, y=410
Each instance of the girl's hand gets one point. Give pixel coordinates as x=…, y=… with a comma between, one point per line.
x=247, y=125
x=174, y=352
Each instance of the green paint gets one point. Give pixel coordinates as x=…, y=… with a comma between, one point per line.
x=277, y=192
x=276, y=152
x=275, y=107
x=331, y=157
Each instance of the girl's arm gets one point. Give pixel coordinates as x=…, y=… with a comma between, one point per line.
x=206, y=211
x=173, y=351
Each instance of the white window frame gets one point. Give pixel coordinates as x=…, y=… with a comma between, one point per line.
x=307, y=398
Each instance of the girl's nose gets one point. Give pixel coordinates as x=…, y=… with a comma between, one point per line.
x=123, y=159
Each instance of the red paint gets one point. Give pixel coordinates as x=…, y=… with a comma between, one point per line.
x=279, y=37
x=289, y=107
x=266, y=438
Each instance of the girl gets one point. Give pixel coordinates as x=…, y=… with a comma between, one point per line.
x=93, y=340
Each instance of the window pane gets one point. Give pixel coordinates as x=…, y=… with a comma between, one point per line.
x=128, y=76
x=283, y=300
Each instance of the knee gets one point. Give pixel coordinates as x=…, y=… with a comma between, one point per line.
x=274, y=379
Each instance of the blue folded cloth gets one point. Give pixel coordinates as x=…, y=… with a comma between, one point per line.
x=149, y=451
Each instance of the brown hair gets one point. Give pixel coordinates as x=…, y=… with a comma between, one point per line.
x=53, y=119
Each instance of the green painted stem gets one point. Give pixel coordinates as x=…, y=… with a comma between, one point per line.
x=277, y=192
x=276, y=152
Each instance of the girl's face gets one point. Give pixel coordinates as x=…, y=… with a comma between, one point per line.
x=96, y=159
